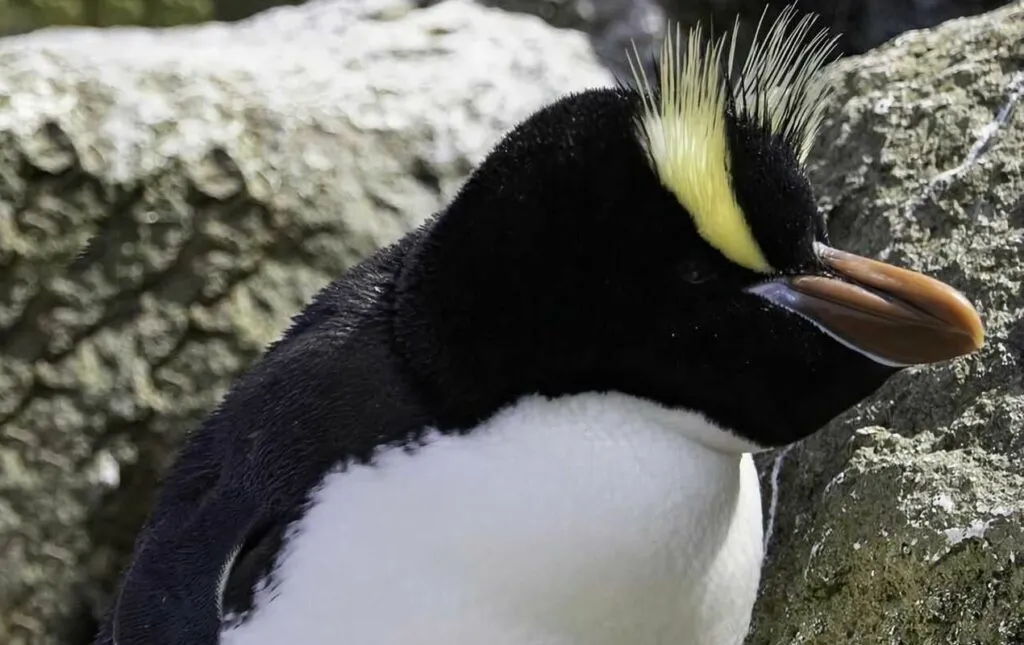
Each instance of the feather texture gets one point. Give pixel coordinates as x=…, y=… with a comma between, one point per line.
x=684, y=116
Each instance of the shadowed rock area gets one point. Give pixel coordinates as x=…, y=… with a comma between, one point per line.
x=614, y=25
x=168, y=199
x=903, y=522
x=860, y=24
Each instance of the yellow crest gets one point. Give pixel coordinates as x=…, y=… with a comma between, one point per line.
x=683, y=120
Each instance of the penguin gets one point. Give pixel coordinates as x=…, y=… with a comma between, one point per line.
x=531, y=420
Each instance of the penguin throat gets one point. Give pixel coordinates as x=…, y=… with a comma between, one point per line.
x=581, y=519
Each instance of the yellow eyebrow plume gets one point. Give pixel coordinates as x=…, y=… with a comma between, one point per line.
x=682, y=124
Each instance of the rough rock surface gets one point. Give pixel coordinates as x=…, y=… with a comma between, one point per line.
x=903, y=522
x=223, y=174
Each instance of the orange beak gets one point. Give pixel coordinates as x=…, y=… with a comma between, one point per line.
x=895, y=316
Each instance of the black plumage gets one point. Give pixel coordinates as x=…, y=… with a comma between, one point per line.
x=563, y=266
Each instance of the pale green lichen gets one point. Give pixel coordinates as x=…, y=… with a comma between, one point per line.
x=902, y=521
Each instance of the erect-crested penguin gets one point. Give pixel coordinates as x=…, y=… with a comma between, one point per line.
x=530, y=421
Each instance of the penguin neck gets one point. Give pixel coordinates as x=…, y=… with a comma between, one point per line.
x=592, y=519
x=481, y=318
x=457, y=329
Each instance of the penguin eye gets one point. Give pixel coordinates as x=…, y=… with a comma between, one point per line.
x=693, y=272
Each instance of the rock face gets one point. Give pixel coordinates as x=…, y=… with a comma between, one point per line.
x=613, y=25
x=169, y=198
x=903, y=522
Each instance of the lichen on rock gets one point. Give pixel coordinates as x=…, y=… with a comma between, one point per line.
x=903, y=521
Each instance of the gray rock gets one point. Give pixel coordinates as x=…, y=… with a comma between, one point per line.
x=903, y=522
x=613, y=25
x=169, y=198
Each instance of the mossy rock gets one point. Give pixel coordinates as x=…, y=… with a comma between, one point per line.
x=903, y=522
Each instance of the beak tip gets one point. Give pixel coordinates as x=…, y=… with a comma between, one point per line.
x=889, y=312
x=978, y=336
x=970, y=322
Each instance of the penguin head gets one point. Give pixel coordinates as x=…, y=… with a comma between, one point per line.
x=662, y=240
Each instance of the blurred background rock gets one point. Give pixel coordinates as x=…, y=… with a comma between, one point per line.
x=19, y=16
x=611, y=24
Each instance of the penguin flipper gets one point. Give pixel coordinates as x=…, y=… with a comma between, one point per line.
x=329, y=392
x=168, y=595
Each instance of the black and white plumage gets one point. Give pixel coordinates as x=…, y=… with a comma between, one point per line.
x=530, y=421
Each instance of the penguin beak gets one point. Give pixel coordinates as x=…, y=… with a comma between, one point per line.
x=894, y=316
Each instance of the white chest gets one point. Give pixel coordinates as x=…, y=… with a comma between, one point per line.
x=588, y=520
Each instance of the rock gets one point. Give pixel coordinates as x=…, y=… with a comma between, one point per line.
x=613, y=25
x=903, y=522
x=168, y=198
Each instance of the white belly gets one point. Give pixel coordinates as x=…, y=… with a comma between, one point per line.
x=587, y=520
